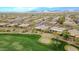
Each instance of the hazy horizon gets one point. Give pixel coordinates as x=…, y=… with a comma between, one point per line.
x=37, y=9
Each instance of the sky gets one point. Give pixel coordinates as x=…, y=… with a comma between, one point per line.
x=33, y=5
x=15, y=9
x=37, y=9
x=39, y=3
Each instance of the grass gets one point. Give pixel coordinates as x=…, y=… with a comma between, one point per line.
x=14, y=42
x=60, y=45
x=27, y=42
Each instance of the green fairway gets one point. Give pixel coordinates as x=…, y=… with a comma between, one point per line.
x=27, y=42
x=21, y=42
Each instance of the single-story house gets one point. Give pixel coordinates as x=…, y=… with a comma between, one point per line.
x=42, y=27
x=11, y=25
x=23, y=25
x=69, y=23
x=74, y=32
x=57, y=29
x=2, y=24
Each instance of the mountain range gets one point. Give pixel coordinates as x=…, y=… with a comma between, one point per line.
x=37, y=9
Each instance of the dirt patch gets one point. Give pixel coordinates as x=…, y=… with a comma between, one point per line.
x=70, y=48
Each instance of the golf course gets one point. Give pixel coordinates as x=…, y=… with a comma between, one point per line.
x=28, y=42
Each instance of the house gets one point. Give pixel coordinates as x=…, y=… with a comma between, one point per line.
x=69, y=23
x=77, y=21
x=11, y=25
x=23, y=25
x=57, y=29
x=42, y=27
x=3, y=24
x=74, y=32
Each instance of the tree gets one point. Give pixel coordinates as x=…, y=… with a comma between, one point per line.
x=66, y=34
x=61, y=20
x=73, y=17
x=76, y=39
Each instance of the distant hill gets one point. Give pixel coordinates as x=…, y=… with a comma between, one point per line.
x=37, y=9
x=59, y=9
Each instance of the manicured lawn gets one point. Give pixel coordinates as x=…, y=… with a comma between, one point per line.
x=27, y=42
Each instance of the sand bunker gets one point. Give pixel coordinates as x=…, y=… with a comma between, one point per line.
x=46, y=38
x=70, y=48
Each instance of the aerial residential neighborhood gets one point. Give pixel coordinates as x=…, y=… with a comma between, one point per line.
x=62, y=26
x=39, y=31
